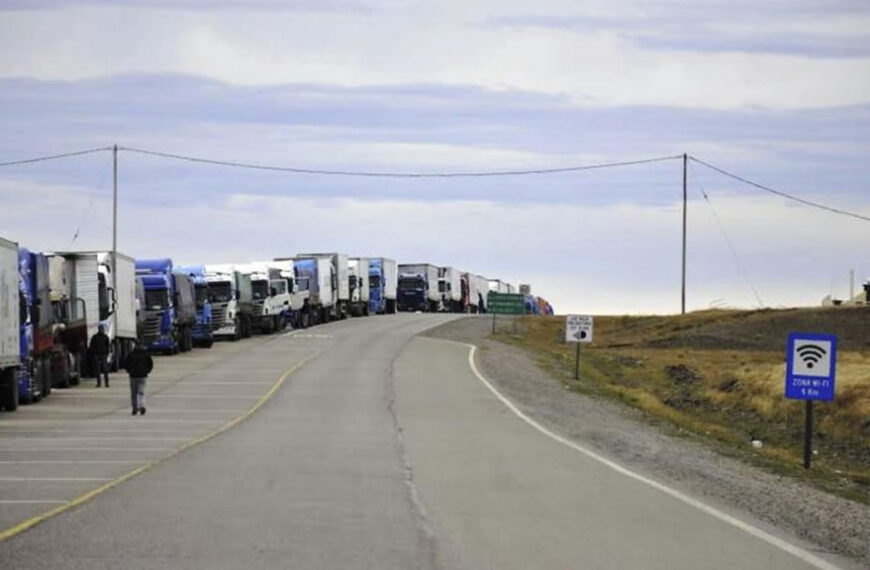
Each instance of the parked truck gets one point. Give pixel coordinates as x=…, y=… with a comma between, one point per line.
x=449, y=290
x=383, y=282
x=340, y=284
x=170, y=306
x=318, y=278
x=202, y=332
x=271, y=296
x=298, y=297
x=11, y=319
x=232, y=301
x=360, y=288
x=107, y=287
x=418, y=287
x=36, y=327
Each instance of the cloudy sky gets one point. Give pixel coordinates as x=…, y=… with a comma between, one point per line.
x=777, y=91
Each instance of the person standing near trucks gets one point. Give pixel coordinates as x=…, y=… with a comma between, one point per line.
x=139, y=365
x=99, y=350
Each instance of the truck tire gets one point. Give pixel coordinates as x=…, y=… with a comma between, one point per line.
x=9, y=393
x=115, y=356
x=46, y=377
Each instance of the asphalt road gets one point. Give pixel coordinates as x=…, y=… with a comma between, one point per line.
x=382, y=451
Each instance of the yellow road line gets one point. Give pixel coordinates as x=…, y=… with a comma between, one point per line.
x=84, y=498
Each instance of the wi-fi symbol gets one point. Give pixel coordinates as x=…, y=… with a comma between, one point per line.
x=811, y=354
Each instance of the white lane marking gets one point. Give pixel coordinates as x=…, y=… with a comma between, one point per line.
x=53, y=479
x=69, y=462
x=32, y=502
x=796, y=551
x=228, y=383
x=291, y=333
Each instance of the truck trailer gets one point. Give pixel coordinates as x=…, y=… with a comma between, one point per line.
x=317, y=277
x=449, y=290
x=360, y=288
x=340, y=284
x=10, y=323
x=107, y=286
x=418, y=287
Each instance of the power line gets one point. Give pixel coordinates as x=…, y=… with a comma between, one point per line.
x=55, y=156
x=728, y=241
x=372, y=174
x=780, y=193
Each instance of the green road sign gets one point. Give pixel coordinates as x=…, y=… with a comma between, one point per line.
x=505, y=303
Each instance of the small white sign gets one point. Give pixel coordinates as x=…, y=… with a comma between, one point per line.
x=578, y=328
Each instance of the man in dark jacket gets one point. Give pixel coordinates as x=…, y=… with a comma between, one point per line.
x=99, y=350
x=139, y=365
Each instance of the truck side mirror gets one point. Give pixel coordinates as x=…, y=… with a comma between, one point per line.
x=273, y=292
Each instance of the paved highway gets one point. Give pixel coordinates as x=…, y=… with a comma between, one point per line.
x=382, y=451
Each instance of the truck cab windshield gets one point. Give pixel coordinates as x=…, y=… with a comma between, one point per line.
x=260, y=289
x=156, y=299
x=221, y=292
x=411, y=283
x=201, y=295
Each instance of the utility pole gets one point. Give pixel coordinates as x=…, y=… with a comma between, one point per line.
x=115, y=239
x=685, y=197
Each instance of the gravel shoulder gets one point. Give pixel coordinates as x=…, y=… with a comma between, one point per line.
x=826, y=521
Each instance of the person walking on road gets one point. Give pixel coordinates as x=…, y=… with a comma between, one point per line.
x=139, y=365
x=99, y=349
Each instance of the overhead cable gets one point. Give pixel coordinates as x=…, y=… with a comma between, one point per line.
x=373, y=174
x=55, y=156
x=728, y=241
x=783, y=194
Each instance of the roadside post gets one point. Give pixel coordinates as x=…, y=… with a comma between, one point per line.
x=810, y=370
x=578, y=329
x=504, y=304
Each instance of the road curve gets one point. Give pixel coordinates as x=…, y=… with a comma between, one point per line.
x=501, y=494
x=383, y=451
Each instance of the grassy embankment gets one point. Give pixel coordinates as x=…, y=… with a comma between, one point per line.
x=720, y=375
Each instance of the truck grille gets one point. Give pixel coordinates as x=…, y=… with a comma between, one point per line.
x=218, y=315
x=152, y=324
x=258, y=307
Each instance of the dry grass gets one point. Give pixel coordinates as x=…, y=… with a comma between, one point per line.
x=720, y=374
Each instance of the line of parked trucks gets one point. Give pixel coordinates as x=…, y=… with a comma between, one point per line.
x=52, y=303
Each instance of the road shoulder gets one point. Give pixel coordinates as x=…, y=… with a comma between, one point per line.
x=620, y=433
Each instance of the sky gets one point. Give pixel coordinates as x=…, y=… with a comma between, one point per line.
x=776, y=91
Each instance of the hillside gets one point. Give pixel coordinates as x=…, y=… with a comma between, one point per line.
x=720, y=375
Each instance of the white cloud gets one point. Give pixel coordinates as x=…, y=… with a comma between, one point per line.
x=601, y=259
x=410, y=43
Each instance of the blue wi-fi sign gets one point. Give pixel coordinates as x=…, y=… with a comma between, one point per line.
x=811, y=366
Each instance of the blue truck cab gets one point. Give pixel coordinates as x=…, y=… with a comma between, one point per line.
x=170, y=306
x=202, y=329
x=36, y=327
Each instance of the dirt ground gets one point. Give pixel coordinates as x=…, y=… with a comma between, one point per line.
x=675, y=457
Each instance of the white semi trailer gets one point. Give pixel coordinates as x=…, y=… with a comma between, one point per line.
x=108, y=290
x=358, y=276
x=449, y=289
x=340, y=285
x=10, y=341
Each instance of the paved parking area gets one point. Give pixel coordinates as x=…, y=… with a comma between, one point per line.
x=83, y=438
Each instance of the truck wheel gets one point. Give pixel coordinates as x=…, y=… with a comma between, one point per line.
x=9, y=394
x=116, y=356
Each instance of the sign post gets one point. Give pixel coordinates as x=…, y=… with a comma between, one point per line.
x=810, y=371
x=504, y=304
x=578, y=329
